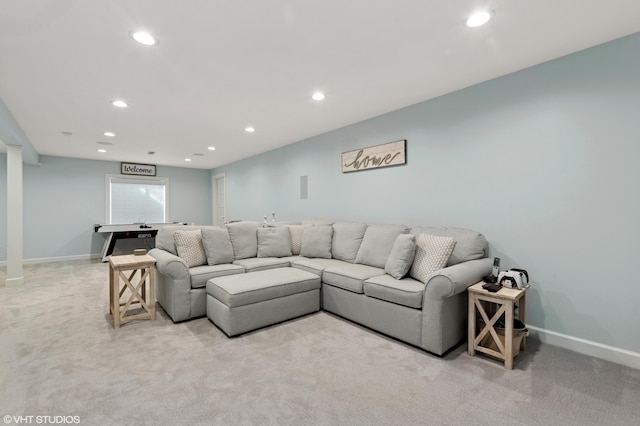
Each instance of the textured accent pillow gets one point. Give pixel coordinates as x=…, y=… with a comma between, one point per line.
x=432, y=253
x=244, y=239
x=401, y=256
x=217, y=245
x=274, y=242
x=189, y=247
x=316, y=241
x=296, y=238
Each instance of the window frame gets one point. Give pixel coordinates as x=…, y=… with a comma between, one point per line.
x=145, y=180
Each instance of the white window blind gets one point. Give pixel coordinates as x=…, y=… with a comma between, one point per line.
x=136, y=200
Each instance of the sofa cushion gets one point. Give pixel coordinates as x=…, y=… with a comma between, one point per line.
x=432, y=253
x=406, y=292
x=347, y=237
x=165, y=240
x=244, y=239
x=274, y=242
x=401, y=256
x=350, y=276
x=201, y=274
x=253, y=264
x=189, y=247
x=217, y=245
x=316, y=241
x=470, y=244
x=377, y=243
x=315, y=265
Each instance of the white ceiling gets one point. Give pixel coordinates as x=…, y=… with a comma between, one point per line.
x=223, y=65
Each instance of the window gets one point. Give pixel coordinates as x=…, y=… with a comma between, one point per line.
x=136, y=199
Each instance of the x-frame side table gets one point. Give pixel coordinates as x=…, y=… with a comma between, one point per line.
x=505, y=300
x=132, y=264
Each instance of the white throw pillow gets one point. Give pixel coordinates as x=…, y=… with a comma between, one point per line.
x=432, y=253
x=190, y=248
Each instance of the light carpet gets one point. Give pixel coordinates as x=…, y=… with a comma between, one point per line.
x=60, y=356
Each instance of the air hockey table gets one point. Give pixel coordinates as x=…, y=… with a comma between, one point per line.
x=127, y=230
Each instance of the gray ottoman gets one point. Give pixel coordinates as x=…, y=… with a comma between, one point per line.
x=245, y=302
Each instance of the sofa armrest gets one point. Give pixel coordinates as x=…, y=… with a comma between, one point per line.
x=455, y=279
x=173, y=284
x=169, y=264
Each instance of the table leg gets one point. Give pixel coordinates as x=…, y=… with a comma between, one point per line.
x=508, y=337
x=471, y=332
x=115, y=295
x=522, y=316
x=152, y=292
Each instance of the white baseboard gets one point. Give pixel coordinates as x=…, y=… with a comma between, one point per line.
x=586, y=347
x=56, y=259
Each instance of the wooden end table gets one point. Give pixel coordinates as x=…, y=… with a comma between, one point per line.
x=118, y=265
x=504, y=300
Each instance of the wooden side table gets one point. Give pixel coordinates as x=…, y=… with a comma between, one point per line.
x=504, y=300
x=118, y=265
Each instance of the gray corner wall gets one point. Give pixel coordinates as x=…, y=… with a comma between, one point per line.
x=545, y=162
x=64, y=197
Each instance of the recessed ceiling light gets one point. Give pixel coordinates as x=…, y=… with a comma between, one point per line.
x=249, y=129
x=479, y=18
x=119, y=103
x=187, y=159
x=212, y=148
x=198, y=154
x=144, y=37
x=318, y=96
x=67, y=133
x=102, y=150
x=104, y=143
x=110, y=134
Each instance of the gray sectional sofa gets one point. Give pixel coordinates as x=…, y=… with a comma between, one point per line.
x=407, y=283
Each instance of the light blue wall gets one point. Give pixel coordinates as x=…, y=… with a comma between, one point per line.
x=64, y=197
x=544, y=162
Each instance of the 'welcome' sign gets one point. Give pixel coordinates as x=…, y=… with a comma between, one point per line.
x=389, y=154
x=138, y=169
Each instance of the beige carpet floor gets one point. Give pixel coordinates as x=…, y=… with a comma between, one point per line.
x=60, y=356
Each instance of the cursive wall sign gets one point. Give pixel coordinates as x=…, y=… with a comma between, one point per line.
x=137, y=169
x=389, y=154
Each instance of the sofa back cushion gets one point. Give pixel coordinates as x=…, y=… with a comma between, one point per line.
x=217, y=245
x=401, y=256
x=165, y=240
x=274, y=242
x=244, y=239
x=347, y=237
x=189, y=247
x=470, y=244
x=316, y=241
x=377, y=243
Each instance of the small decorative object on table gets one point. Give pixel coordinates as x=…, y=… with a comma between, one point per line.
x=139, y=252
